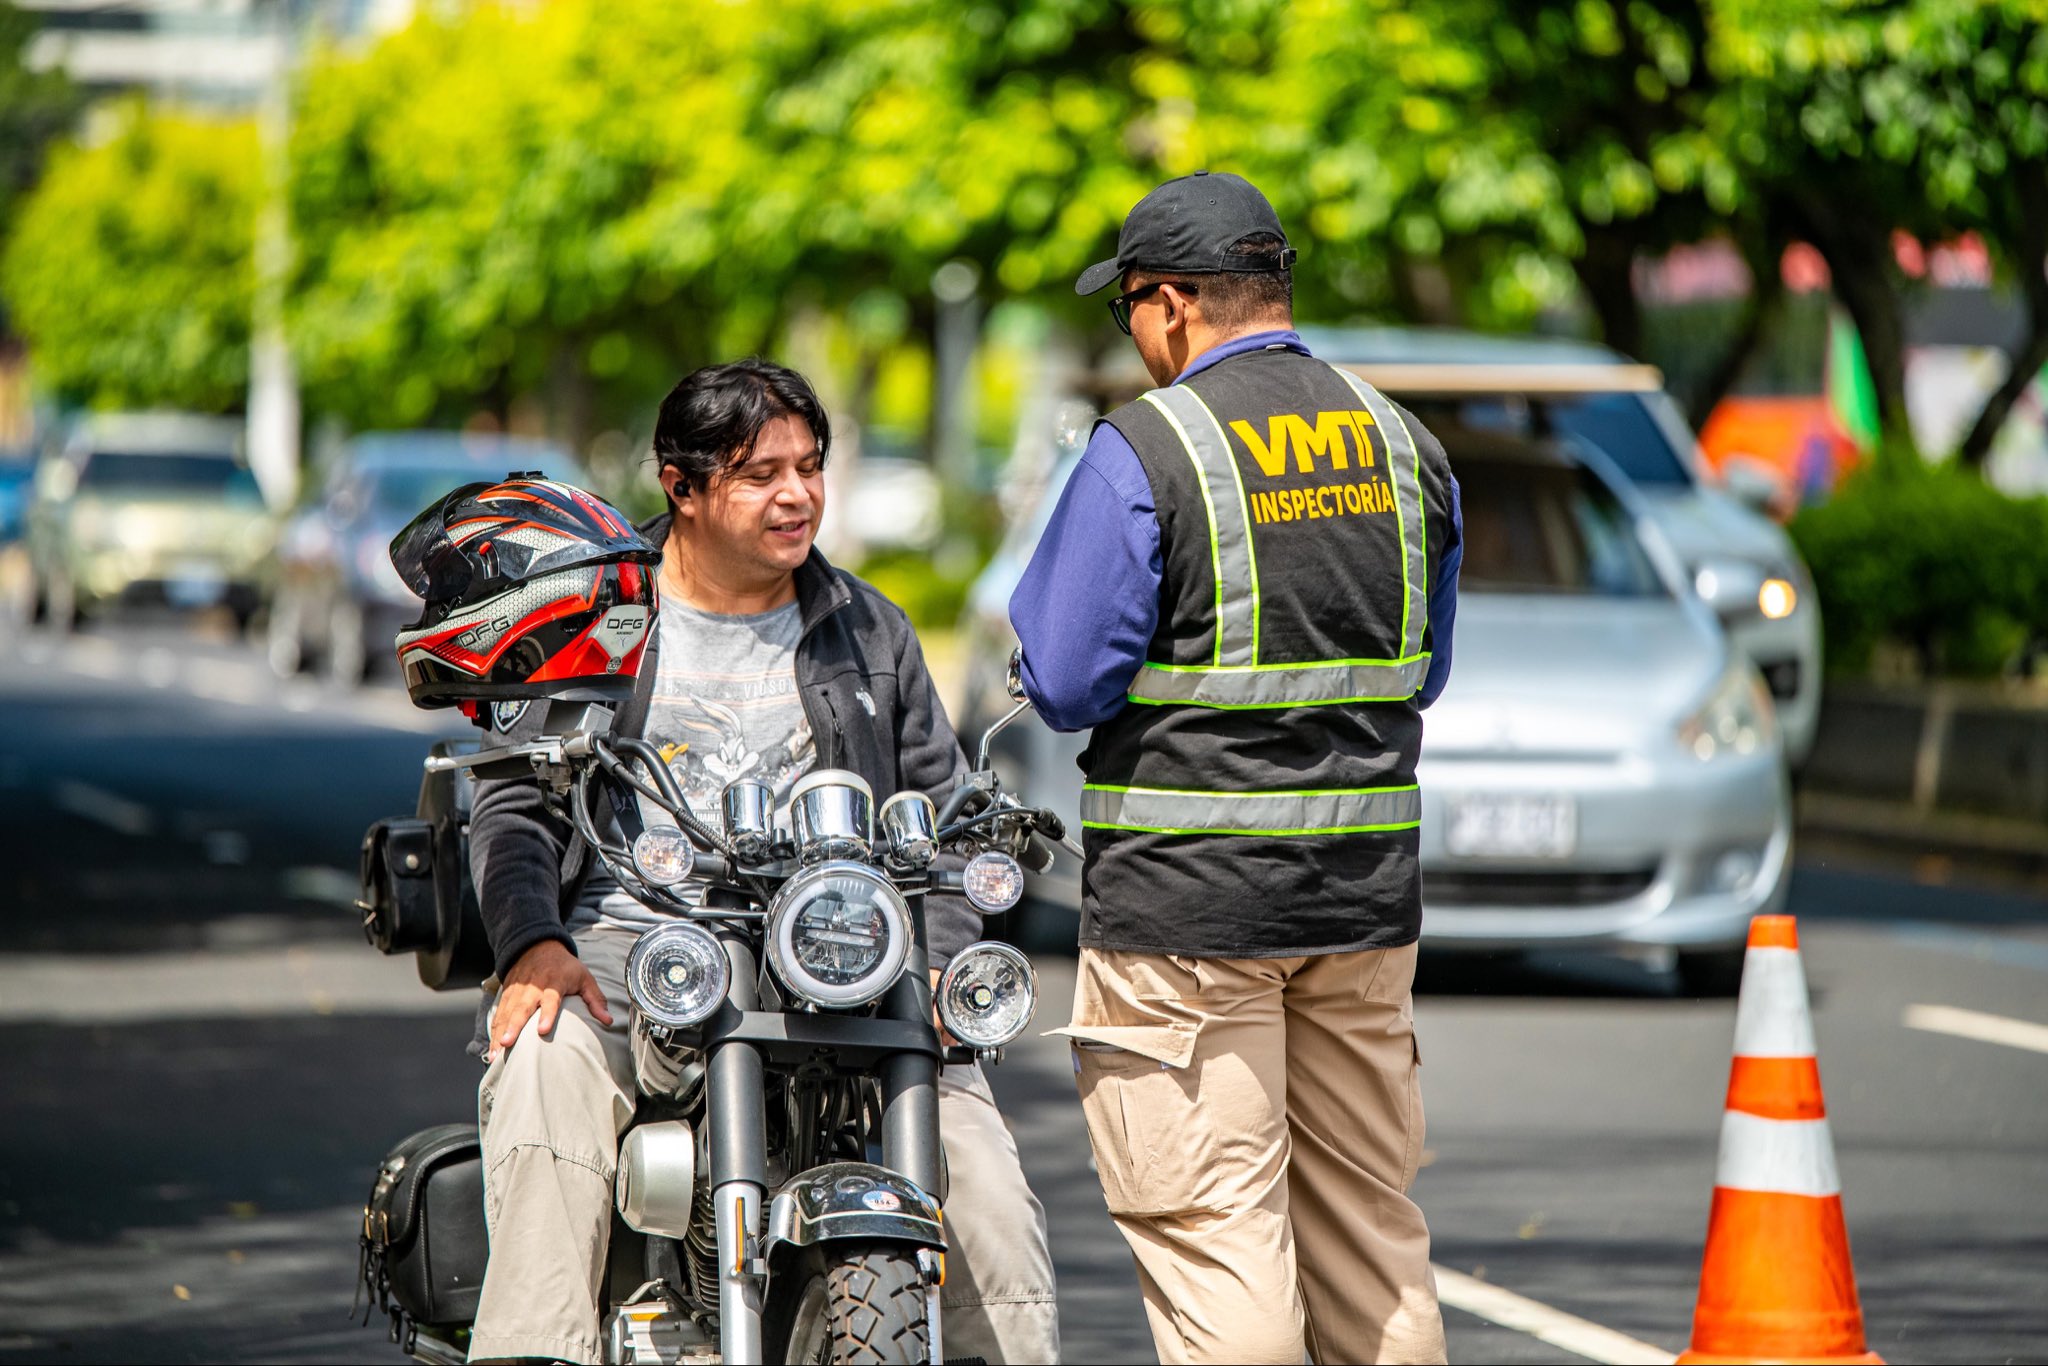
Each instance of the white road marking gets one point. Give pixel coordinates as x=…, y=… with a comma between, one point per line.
x=1975, y=1024
x=110, y=809
x=1578, y=1336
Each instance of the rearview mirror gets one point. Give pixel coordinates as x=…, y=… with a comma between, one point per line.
x=1730, y=587
x=1013, y=682
x=1750, y=482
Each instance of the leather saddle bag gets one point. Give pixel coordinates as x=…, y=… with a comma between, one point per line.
x=424, y=1241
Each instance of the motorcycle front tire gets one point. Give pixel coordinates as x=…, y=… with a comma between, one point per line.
x=846, y=1303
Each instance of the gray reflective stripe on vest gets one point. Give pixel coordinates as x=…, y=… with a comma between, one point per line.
x=1169, y=811
x=1281, y=685
x=1230, y=523
x=1236, y=678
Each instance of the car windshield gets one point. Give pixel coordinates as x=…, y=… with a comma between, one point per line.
x=168, y=474
x=1547, y=527
x=1621, y=425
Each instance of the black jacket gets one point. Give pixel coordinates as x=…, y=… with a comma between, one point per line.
x=872, y=708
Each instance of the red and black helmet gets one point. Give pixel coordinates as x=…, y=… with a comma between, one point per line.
x=532, y=589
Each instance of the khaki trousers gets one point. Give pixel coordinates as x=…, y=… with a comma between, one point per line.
x=1256, y=1123
x=552, y=1110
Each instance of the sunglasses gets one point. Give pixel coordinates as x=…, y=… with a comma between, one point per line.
x=1120, y=306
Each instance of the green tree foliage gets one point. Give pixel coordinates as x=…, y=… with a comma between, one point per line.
x=35, y=107
x=1856, y=122
x=128, y=270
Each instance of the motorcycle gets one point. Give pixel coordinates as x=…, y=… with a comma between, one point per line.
x=779, y=1192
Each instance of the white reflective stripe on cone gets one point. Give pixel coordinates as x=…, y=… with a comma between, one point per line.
x=1771, y=1018
x=1783, y=1156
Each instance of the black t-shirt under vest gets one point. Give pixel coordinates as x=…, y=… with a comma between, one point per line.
x=1257, y=796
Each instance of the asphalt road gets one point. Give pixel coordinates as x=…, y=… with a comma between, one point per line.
x=200, y=1063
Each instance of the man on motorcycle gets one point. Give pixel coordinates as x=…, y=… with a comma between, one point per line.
x=765, y=662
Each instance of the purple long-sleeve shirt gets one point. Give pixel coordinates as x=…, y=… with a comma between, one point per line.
x=1087, y=605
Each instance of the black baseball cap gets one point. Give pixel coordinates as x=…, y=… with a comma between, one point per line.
x=1191, y=224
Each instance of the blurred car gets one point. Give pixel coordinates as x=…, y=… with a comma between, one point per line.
x=1605, y=770
x=338, y=603
x=17, y=482
x=147, y=508
x=1738, y=560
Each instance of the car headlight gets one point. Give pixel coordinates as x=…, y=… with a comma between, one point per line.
x=992, y=882
x=678, y=974
x=1777, y=599
x=987, y=995
x=1736, y=718
x=838, y=934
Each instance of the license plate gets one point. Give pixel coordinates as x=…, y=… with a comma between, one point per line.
x=195, y=586
x=1511, y=827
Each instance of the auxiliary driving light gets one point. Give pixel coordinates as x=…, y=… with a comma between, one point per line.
x=1776, y=599
x=993, y=882
x=987, y=995
x=663, y=856
x=838, y=934
x=678, y=974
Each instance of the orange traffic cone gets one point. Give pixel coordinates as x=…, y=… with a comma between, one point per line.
x=1776, y=1283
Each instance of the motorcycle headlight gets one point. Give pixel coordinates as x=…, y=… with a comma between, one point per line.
x=987, y=995
x=1736, y=718
x=678, y=974
x=992, y=882
x=838, y=934
x=662, y=855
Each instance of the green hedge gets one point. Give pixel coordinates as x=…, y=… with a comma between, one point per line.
x=1933, y=560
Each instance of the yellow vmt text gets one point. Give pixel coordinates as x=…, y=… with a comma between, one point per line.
x=1325, y=500
x=1322, y=440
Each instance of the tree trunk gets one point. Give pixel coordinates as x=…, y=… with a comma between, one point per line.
x=1607, y=273
x=1759, y=315
x=2031, y=353
x=1858, y=251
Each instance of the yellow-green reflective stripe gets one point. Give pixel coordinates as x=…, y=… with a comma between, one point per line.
x=1404, y=468
x=1281, y=685
x=1328, y=811
x=1230, y=534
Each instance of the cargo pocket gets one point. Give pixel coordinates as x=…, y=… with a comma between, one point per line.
x=1411, y=1159
x=1154, y=1143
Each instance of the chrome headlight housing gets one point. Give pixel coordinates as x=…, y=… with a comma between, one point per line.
x=987, y=995
x=1736, y=718
x=838, y=934
x=678, y=974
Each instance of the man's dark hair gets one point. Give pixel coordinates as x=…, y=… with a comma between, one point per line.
x=710, y=421
x=1232, y=299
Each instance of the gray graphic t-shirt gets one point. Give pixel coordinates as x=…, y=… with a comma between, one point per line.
x=724, y=706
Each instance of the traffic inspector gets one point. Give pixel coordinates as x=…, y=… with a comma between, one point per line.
x=1247, y=591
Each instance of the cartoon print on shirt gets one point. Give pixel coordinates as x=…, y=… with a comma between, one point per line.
x=715, y=752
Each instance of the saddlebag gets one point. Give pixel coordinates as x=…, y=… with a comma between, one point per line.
x=424, y=1241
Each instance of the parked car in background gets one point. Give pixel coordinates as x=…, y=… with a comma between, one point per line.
x=17, y=483
x=147, y=508
x=1606, y=770
x=338, y=603
x=1739, y=561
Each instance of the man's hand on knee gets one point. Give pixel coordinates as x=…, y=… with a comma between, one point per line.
x=544, y=976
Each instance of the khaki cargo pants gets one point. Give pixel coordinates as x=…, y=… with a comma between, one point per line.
x=552, y=1109
x=1256, y=1123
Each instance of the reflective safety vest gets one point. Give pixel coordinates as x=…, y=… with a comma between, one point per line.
x=1257, y=796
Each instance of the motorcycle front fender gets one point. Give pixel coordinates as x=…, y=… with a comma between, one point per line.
x=852, y=1201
